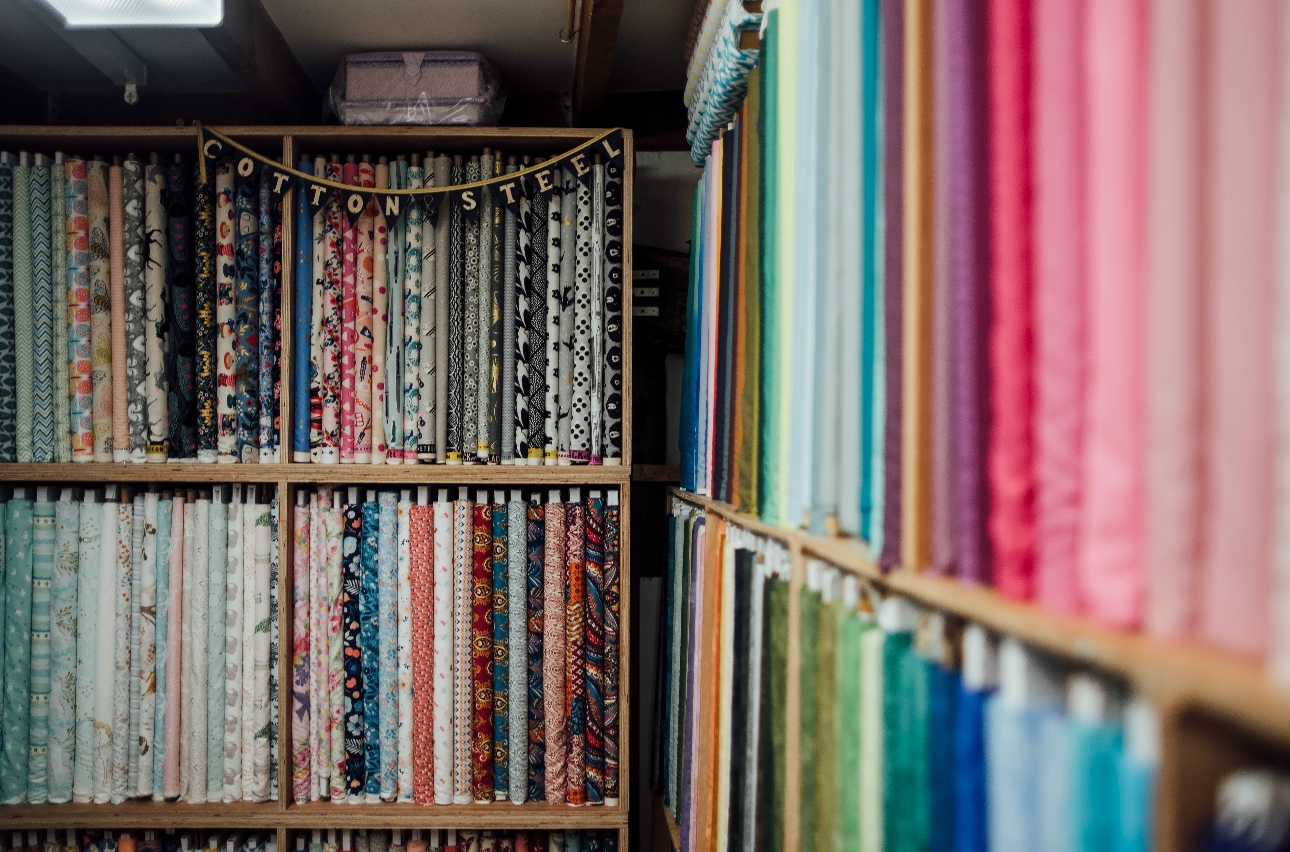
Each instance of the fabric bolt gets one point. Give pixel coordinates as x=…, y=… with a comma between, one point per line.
x=100, y=309
x=496, y=333
x=62, y=320
x=330, y=324
x=302, y=324
x=595, y=332
x=380, y=320
x=594, y=638
x=511, y=326
x=442, y=629
x=539, y=343
x=235, y=591
x=523, y=376
x=554, y=653
x=388, y=578
x=426, y=449
x=156, y=312
x=146, y=624
x=418, y=533
x=412, y=378
x=1112, y=477
x=317, y=329
x=261, y=522
x=42, y=576
x=463, y=650
x=354, y=730
x=569, y=214
x=301, y=638
x=501, y=651
x=612, y=386
x=197, y=618
x=64, y=612
x=1240, y=129
x=396, y=270
x=105, y=652
x=373, y=653
x=404, y=677
x=554, y=312
x=440, y=333
x=364, y=283
x=535, y=721
x=1174, y=199
x=517, y=702
x=582, y=364
x=134, y=722
x=481, y=662
x=182, y=402
x=135, y=238
x=42, y=304
x=8, y=354
x=79, y=340
x=335, y=524
x=24, y=328
x=611, y=589
x=575, y=667
x=269, y=322
x=274, y=629
x=483, y=351
x=16, y=710
x=171, y=749
x=246, y=369
x=319, y=616
x=116, y=290
x=216, y=647
x=204, y=260
x=349, y=321
x=470, y=322
x=87, y=578
x=456, y=323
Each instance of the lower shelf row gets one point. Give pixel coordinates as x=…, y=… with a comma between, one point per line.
x=317, y=840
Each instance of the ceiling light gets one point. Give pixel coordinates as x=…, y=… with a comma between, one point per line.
x=138, y=13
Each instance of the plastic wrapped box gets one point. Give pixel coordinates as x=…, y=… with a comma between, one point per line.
x=432, y=87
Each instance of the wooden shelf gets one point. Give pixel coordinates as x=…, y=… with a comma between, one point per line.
x=414, y=474
x=1175, y=675
x=669, y=820
x=143, y=814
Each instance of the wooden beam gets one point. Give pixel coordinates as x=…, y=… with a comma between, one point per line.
x=253, y=46
x=597, y=38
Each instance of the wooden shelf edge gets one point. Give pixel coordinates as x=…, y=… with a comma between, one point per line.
x=428, y=474
x=271, y=815
x=1173, y=674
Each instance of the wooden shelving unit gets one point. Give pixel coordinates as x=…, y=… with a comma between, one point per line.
x=283, y=816
x=1217, y=711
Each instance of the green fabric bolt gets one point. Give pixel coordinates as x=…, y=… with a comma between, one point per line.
x=809, y=605
x=905, y=779
x=17, y=640
x=774, y=703
x=872, y=643
x=850, y=630
x=750, y=400
x=828, y=717
x=42, y=576
x=768, y=476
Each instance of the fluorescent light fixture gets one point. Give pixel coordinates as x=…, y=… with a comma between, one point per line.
x=138, y=13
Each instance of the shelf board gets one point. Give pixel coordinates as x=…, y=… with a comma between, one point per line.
x=504, y=815
x=417, y=474
x=143, y=814
x=1173, y=674
x=669, y=818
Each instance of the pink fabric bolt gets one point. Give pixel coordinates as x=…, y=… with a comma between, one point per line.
x=1112, y=529
x=1175, y=248
x=1010, y=471
x=1241, y=132
x=1058, y=229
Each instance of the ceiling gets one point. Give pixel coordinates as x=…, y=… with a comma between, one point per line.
x=520, y=37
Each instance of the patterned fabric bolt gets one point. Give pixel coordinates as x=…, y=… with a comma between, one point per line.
x=517, y=598
x=226, y=237
x=267, y=357
x=412, y=390
x=425, y=633
x=482, y=651
x=136, y=354
x=470, y=321
x=79, y=371
x=17, y=650
x=612, y=643
x=24, y=330
x=612, y=388
x=349, y=321
x=100, y=311
x=335, y=523
x=595, y=647
x=116, y=290
x=120, y=715
x=444, y=641
x=539, y=342
x=555, y=652
x=575, y=667
x=87, y=583
x=234, y=648
x=484, y=449
x=388, y=604
x=353, y=731
x=403, y=616
x=395, y=271
x=182, y=408
x=246, y=370
x=205, y=257
x=62, y=649
x=8, y=355
x=501, y=649
x=147, y=624
x=554, y=311
x=137, y=532
x=262, y=708
x=569, y=212
x=582, y=387
x=216, y=649
x=596, y=306
x=332, y=323
x=156, y=311
x=274, y=567
x=62, y=319
x=511, y=325
x=370, y=645
x=463, y=650
x=456, y=319
x=42, y=576
x=380, y=320
x=301, y=752
x=536, y=723
x=42, y=298
x=164, y=524
x=363, y=322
